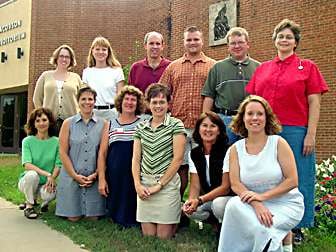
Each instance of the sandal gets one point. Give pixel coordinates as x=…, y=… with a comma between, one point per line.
x=30, y=213
x=23, y=205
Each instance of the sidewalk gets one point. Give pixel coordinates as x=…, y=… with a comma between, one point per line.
x=18, y=234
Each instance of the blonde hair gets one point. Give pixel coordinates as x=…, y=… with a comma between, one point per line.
x=237, y=31
x=54, y=57
x=111, y=59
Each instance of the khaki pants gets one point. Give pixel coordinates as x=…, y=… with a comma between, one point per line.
x=29, y=185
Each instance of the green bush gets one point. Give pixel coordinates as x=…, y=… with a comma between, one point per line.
x=325, y=199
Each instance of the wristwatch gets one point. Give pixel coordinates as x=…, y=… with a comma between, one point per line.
x=160, y=183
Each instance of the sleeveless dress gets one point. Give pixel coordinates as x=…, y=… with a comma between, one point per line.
x=121, y=200
x=73, y=200
x=241, y=230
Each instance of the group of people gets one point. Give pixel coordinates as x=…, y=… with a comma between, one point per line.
x=128, y=152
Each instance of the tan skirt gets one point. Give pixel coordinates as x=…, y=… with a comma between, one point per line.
x=164, y=207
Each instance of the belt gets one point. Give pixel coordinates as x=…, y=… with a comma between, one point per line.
x=109, y=106
x=226, y=112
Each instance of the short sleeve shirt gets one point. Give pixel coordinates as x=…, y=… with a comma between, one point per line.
x=141, y=74
x=42, y=153
x=157, y=144
x=286, y=85
x=227, y=80
x=104, y=81
x=186, y=80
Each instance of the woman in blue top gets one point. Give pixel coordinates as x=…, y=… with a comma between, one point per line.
x=80, y=138
x=115, y=158
x=40, y=158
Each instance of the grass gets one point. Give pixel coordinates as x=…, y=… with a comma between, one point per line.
x=104, y=236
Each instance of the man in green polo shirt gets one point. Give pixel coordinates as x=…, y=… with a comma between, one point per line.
x=224, y=88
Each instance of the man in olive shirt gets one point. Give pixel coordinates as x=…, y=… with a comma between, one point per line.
x=224, y=88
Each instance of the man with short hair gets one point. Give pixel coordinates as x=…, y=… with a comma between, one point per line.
x=149, y=70
x=224, y=88
x=185, y=77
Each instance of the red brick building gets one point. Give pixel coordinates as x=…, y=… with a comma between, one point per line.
x=124, y=23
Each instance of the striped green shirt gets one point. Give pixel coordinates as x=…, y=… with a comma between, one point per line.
x=157, y=144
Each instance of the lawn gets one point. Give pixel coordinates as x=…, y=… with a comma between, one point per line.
x=106, y=236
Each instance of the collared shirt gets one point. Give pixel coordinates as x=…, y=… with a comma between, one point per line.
x=286, y=85
x=157, y=144
x=186, y=80
x=141, y=74
x=227, y=80
x=84, y=141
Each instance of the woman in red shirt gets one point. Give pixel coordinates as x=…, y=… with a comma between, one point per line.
x=293, y=87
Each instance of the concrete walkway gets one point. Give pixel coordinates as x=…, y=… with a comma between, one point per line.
x=18, y=234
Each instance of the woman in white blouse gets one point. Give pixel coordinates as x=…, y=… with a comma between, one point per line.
x=104, y=74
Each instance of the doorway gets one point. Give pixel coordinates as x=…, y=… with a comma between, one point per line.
x=13, y=113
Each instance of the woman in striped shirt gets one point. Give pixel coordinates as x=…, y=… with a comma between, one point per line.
x=158, y=153
x=115, y=158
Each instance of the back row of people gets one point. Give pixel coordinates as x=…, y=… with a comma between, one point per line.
x=224, y=89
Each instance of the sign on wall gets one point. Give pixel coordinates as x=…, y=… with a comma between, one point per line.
x=222, y=17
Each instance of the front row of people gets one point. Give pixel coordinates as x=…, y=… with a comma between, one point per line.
x=106, y=172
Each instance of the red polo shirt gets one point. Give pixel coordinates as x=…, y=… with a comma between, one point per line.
x=141, y=74
x=286, y=85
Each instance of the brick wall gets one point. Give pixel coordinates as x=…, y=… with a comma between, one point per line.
x=77, y=22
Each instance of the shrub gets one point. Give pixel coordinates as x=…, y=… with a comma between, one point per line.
x=325, y=195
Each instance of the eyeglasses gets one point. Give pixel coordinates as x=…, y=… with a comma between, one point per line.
x=239, y=43
x=287, y=37
x=64, y=56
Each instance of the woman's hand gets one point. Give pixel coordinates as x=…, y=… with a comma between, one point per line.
x=92, y=177
x=308, y=144
x=249, y=196
x=190, y=206
x=83, y=181
x=264, y=215
x=143, y=192
x=50, y=186
x=154, y=189
x=103, y=187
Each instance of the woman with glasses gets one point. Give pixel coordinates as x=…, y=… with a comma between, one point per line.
x=293, y=86
x=57, y=89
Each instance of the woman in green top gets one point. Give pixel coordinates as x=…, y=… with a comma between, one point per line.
x=40, y=158
x=157, y=154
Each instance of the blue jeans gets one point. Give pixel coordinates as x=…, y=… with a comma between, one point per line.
x=231, y=136
x=295, y=135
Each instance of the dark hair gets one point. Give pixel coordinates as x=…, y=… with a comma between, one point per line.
x=54, y=57
x=272, y=126
x=30, y=125
x=294, y=27
x=86, y=89
x=130, y=90
x=155, y=89
x=214, y=118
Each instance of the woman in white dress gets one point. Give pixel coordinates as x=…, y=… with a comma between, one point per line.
x=263, y=175
x=105, y=75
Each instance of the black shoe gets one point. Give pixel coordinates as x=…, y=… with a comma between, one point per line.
x=44, y=208
x=184, y=222
x=298, y=236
